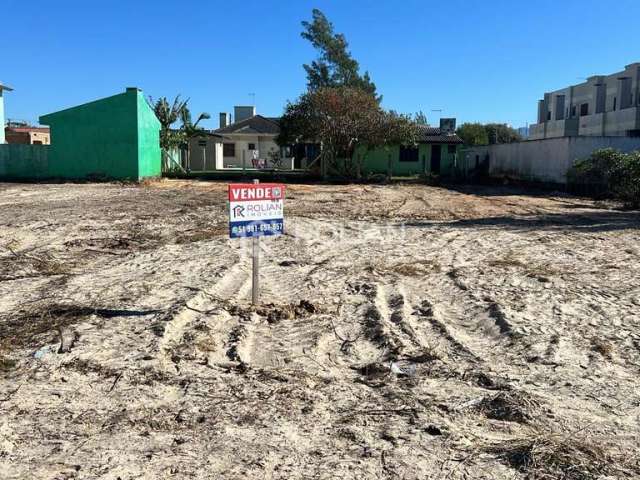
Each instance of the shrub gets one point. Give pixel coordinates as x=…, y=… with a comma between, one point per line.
x=625, y=179
x=609, y=172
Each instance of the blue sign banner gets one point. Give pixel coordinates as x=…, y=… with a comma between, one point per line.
x=256, y=228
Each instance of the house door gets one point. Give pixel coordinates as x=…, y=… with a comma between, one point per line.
x=198, y=155
x=299, y=152
x=436, y=155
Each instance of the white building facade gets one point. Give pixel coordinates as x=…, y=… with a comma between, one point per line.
x=3, y=88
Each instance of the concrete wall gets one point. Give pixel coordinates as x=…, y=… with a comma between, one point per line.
x=561, y=128
x=115, y=137
x=24, y=162
x=541, y=160
x=148, y=139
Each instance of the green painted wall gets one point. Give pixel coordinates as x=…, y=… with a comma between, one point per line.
x=115, y=137
x=149, y=152
x=377, y=160
x=24, y=162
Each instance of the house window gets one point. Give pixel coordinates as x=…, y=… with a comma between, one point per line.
x=451, y=149
x=252, y=146
x=408, y=154
x=202, y=143
x=228, y=149
x=615, y=103
x=573, y=111
x=584, y=109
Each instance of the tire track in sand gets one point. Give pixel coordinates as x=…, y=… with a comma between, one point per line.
x=235, y=281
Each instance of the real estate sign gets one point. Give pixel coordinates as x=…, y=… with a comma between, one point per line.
x=256, y=209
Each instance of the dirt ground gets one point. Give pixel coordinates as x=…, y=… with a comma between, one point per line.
x=406, y=331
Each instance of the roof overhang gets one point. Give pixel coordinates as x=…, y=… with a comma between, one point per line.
x=5, y=87
x=230, y=135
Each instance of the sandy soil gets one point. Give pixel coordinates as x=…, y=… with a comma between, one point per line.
x=406, y=332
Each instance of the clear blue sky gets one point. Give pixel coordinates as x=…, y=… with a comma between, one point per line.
x=477, y=60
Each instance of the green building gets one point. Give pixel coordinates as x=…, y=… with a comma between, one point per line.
x=437, y=153
x=116, y=137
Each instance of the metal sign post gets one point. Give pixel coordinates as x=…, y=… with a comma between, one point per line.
x=256, y=210
x=255, y=279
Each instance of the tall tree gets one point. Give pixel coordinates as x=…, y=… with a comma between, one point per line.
x=334, y=66
x=420, y=118
x=343, y=119
x=489, y=134
x=501, y=133
x=473, y=134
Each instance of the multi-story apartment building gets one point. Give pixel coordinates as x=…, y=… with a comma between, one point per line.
x=604, y=105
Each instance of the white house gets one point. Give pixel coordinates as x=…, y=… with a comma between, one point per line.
x=249, y=141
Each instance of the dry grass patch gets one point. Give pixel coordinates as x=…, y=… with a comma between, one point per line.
x=565, y=457
x=25, y=328
x=540, y=272
x=511, y=406
x=275, y=313
x=506, y=262
x=22, y=264
x=603, y=347
x=417, y=268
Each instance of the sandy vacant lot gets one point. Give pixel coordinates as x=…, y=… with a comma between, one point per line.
x=407, y=332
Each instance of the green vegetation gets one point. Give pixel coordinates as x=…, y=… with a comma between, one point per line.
x=334, y=67
x=420, y=118
x=168, y=114
x=609, y=172
x=343, y=119
x=487, y=134
x=341, y=108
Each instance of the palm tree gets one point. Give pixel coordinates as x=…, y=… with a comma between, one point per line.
x=190, y=130
x=168, y=114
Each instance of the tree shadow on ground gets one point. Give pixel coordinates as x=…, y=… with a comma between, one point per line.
x=497, y=190
x=587, y=222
